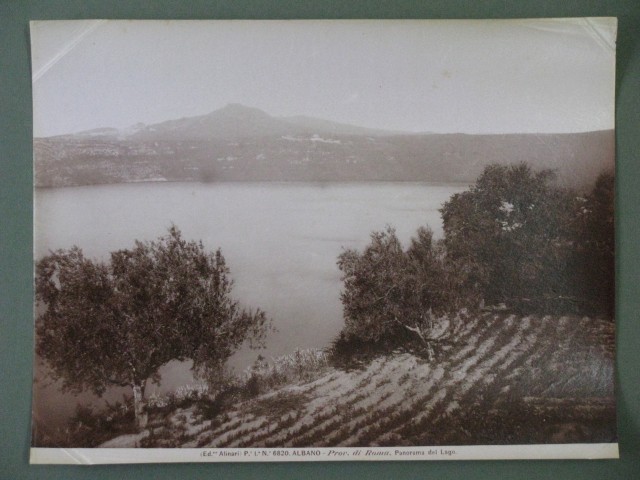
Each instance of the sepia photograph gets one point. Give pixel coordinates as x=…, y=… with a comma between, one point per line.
x=323, y=240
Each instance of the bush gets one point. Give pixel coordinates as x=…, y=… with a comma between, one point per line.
x=88, y=427
x=352, y=353
x=299, y=366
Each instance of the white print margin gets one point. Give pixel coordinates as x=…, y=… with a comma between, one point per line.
x=91, y=456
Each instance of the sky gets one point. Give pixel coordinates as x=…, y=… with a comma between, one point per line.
x=496, y=76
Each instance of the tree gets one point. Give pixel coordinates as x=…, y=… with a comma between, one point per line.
x=372, y=295
x=595, y=246
x=117, y=323
x=513, y=238
x=513, y=231
x=390, y=294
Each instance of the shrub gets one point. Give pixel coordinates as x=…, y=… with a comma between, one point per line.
x=299, y=366
x=349, y=352
x=89, y=427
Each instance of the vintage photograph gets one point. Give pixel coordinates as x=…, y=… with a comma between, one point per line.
x=324, y=240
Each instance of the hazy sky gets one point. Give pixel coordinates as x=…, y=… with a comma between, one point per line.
x=439, y=76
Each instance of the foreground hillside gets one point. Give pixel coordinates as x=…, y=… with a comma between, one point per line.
x=505, y=380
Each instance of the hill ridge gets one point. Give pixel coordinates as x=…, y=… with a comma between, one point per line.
x=302, y=156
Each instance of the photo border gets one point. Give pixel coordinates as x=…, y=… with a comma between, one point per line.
x=16, y=188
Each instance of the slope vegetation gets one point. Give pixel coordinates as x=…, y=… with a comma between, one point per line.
x=506, y=380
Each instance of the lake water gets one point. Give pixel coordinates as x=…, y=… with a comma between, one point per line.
x=281, y=242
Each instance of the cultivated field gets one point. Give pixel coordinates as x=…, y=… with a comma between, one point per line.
x=504, y=380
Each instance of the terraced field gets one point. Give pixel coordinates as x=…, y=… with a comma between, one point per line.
x=506, y=379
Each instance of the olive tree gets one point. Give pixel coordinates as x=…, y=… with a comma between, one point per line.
x=391, y=294
x=116, y=323
x=514, y=230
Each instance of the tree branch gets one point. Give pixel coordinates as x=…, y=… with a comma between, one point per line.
x=415, y=330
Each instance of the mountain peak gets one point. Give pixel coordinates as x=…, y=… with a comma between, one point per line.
x=239, y=109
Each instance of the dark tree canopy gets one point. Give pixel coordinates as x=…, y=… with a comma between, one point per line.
x=594, y=260
x=118, y=322
x=514, y=230
x=514, y=240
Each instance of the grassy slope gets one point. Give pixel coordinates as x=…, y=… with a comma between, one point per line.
x=505, y=380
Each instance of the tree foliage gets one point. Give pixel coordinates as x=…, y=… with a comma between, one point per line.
x=391, y=294
x=514, y=230
x=513, y=240
x=373, y=287
x=594, y=257
x=116, y=323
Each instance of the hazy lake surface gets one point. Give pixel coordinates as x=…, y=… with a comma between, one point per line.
x=281, y=242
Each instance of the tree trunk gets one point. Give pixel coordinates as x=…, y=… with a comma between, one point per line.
x=138, y=404
x=422, y=336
